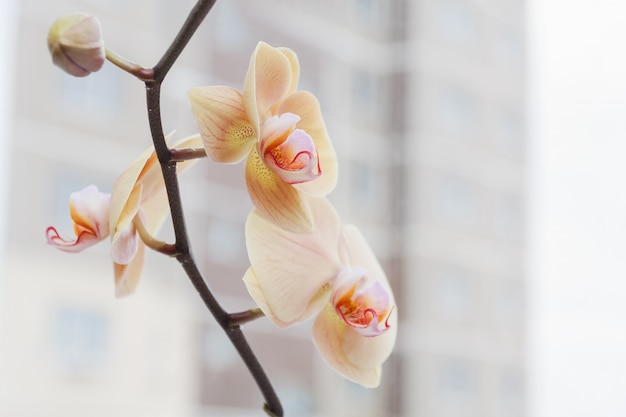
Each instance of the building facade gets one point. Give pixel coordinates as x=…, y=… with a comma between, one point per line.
x=424, y=101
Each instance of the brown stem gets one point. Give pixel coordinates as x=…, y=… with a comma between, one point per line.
x=180, y=155
x=243, y=317
x=168, y=161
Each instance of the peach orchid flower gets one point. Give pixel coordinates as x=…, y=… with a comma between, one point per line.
x=131, y=215
x=279, y=129
x=330, y=273
x=89, y=210
x=139, y=206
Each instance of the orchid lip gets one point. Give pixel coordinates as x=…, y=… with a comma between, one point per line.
x=362, y=302
x=83, y=240
x=295, y=159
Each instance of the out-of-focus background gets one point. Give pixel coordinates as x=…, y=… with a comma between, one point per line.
x=480, y=145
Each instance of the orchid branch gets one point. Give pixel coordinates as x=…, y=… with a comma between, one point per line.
x=168, y=160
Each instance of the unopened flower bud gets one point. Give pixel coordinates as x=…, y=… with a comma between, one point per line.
x=75, y=42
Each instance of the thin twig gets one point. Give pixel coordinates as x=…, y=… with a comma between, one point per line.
x=180, y=155
x=243, y=317
x=144, y=74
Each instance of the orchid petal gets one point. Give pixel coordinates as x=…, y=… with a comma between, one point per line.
x=155, y=211
x=268, y=81
x=140, y=190
x=293, y=271
x=256, y=292
x=359, y=254
x=276, y=129
x=353, y=352
x=154, y=202
x=125, y=184
x=305, y=105
x=127, y=276
x=122, y=246
x=354, y=356
x=146, y=170
x=226, y=130
x=356, y=253
x=89, y=210
x=295, y=68
x=275, y=199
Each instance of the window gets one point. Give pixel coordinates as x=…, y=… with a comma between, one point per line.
x=455, y=202
x=79, y=339
x=367, y=10
x=217, y=351
x=508, y=46
x=99, y=93
x=454, y=294
x=225, y=241
x=457, y=21
x=509, y=305
x=507, y=217
x=362, y=183
x=456, y=384
x=364, y=94
x=509, y=132
x=231, y=29
x=297, y=398
x=510, y=387
x=456, y=111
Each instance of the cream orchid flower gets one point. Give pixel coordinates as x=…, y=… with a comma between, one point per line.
x=331, y=273
x=131, y=215
x=139, y=206
x=279, y=129
x=89, y=210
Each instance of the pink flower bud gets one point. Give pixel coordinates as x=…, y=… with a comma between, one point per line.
x=75, y=42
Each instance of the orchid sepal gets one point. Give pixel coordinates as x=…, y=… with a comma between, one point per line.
x=138, y=208
x=225, y=128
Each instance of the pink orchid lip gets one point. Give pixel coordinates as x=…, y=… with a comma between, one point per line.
x=362, y=302
x=89, y=211
x=83, y=240
x=289, y=152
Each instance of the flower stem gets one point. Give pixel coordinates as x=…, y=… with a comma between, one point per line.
x=168, y=161
x=144, y=74
x=180, y=155
x=151, y=242
x=238, y=319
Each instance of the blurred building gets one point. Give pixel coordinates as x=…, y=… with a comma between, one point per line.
x=424, y=100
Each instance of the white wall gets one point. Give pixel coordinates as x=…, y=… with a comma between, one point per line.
x=578, y=238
